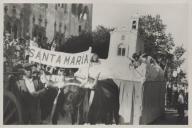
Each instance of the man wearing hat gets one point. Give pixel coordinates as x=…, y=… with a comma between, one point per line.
x=27, y=44
x=32, y=100
x=7, y=40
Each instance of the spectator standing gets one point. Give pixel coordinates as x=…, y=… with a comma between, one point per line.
x=181, y=102
x=33, y=92
x=169, y=93
x=175, y=95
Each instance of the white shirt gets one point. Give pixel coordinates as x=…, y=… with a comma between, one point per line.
x=29, y=84
x=181, y=99
x=33, y=43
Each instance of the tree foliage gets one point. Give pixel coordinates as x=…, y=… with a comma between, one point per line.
x=101, y=39
x=160, y=45
x=157, y=44
x=98, y=39
x=178, y=61
x=76, y=44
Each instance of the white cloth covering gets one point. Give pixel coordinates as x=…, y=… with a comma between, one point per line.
x=29, y=84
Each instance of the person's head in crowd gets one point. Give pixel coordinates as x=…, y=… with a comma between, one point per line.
x=7, y=35
x=21, y=72
x=48, y=68
x=55, y=71
x=21, y=41
x=27, y=43
x=34, y=39
x=15, y=38
x=15, y=42
x=181, y=91
x=70, y=72
x=45, y=39
x=27, y=58
x=136, y=56
x=146, y=58
x=28, y=70
x=42, y=66
x=34, y=67
x=35, y=71
x=142, y=58
x=64, y=72
x=54, y=45
x=38, y=66
x=95, y=58
x=16, y=67
x=45, y=67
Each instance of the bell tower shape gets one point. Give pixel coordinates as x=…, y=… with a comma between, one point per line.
x=124, y=40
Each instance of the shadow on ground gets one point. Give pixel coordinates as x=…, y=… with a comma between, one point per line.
x=171, y=118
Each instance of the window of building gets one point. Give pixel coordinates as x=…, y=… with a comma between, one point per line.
x=55, y=25
x=5, y=9
x=46, y=5
x=65, y=8
x=14, y=10
x=40, y=19
x=85, y=16
x=134, y=24
x=74, y=9
x=62, y=5
x=79, y=28
x=60, y=25
x=121, y=50
x=46, y=22
x=33, y=19
x=80, y=10
x=85, y=13
x=65, y=28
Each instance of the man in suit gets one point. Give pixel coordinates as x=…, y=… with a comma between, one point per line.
x=32, y=90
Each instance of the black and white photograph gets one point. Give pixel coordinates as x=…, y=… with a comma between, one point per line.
x=95, y=63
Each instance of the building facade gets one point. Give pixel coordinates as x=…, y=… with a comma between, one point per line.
x=47, y=21
x=125, y=41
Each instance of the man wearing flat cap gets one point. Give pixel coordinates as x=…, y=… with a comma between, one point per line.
x=32, y=99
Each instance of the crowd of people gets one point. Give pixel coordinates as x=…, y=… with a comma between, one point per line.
x=176, y=94
x=33, y=80
x=177, y=98
x=16, y=50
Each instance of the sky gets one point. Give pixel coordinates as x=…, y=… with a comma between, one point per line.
x=174, y=16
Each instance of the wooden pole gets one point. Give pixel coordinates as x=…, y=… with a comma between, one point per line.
x=87, y=77
x=54, y=105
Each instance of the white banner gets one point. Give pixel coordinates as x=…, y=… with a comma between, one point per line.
x=60, y=59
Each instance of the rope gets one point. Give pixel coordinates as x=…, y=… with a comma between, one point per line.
x=55, y=104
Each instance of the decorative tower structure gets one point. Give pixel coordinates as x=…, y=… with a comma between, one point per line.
x=124, y=41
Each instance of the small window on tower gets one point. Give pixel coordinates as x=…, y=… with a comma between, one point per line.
x=134, y=25
x=121, y=50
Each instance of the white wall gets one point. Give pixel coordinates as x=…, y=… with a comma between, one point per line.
x=132, y=42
